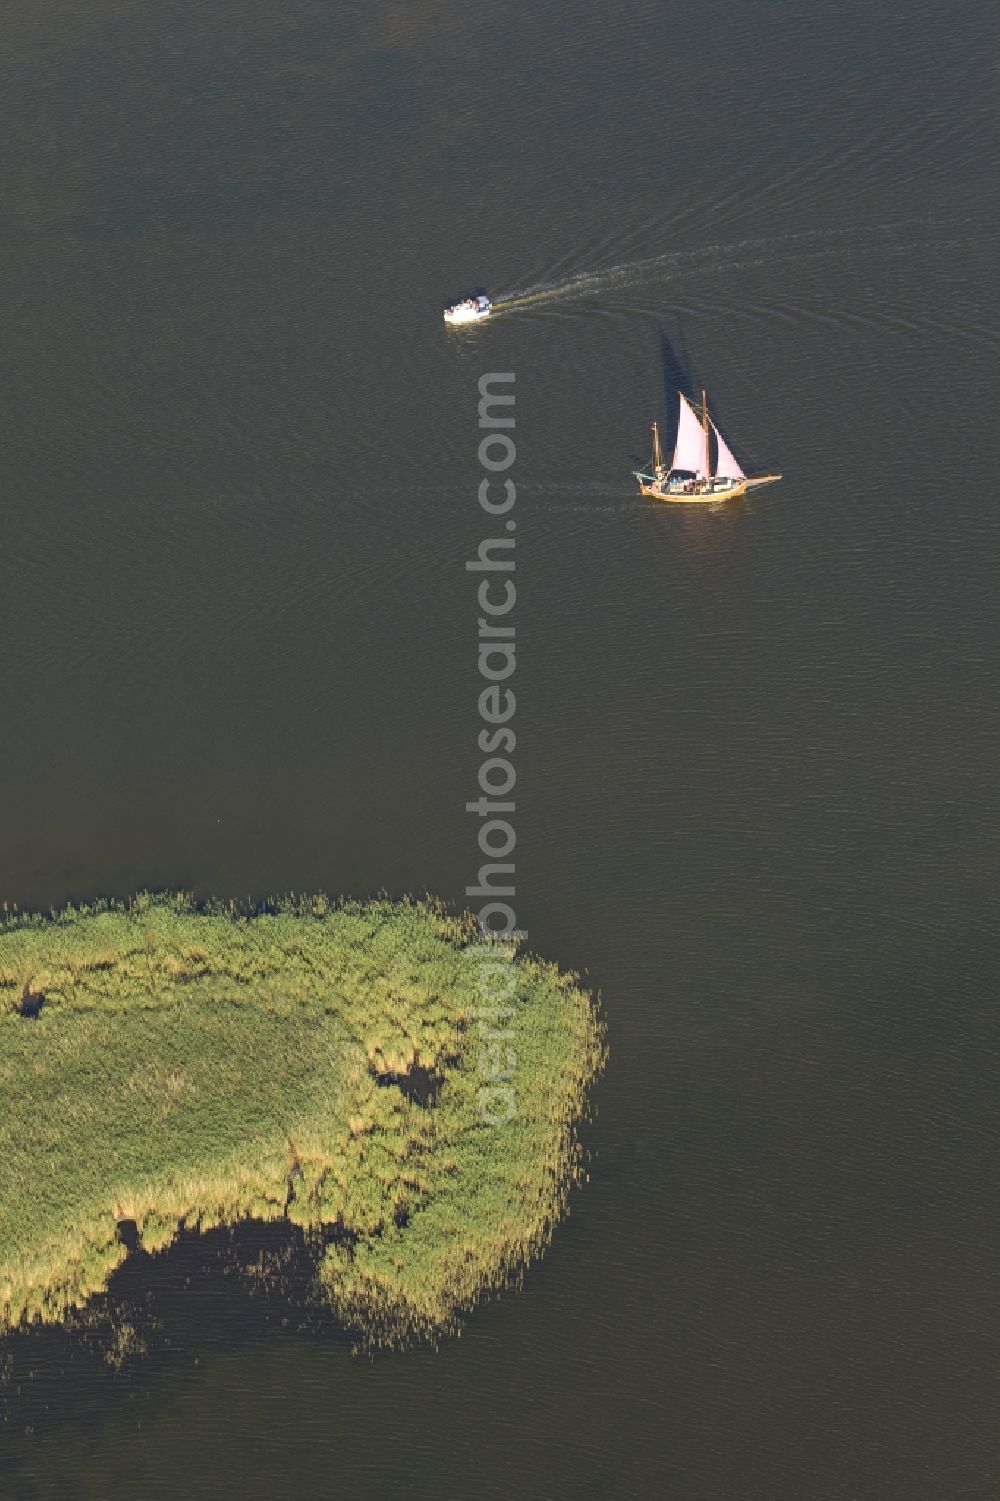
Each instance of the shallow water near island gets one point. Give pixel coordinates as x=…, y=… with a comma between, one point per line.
x=757, y=800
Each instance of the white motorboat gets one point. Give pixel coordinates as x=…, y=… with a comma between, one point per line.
x=471, y=310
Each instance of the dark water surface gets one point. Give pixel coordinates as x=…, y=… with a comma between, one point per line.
x=758, y=800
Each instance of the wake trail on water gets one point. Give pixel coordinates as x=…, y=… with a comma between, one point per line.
x=675, y=263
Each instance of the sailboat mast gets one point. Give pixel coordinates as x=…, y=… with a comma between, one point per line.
x=704, y=423
x=657, y=455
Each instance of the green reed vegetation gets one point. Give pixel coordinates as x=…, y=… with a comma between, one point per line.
x=168, y=1067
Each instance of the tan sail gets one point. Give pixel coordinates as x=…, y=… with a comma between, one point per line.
x=727, y=463
x=689, y=450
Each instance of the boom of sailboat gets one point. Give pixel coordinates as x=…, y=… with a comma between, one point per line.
x=691, y=475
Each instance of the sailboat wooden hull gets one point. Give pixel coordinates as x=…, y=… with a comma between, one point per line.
x=705, y=497
x=694, y=497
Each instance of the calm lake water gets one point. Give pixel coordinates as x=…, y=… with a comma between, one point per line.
x=758, y=802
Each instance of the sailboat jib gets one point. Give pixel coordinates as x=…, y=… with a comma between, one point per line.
x=727, y=464
x=689, y=450
x=689, y=477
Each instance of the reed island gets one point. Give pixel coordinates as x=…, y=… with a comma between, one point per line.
x=374, y=1074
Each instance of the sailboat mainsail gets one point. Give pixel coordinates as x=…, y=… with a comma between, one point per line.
x=689, y=450
x=727, y=464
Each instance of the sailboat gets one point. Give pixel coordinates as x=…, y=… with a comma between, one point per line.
x=690, y=476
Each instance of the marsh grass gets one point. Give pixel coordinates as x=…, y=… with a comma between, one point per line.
x=183, y=1068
